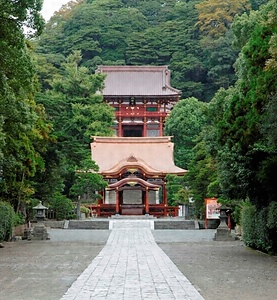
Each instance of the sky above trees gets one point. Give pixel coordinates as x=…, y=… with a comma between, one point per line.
x=50, y=6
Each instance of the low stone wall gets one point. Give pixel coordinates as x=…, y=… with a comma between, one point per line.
x=19, y=230
x=75, y=224
x=54, y=224
x=174, y=224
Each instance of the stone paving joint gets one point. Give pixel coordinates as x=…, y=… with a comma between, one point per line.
x=132, y=266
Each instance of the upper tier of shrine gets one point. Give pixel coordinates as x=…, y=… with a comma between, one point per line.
x=142, y=98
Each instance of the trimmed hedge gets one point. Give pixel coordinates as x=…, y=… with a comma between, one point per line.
x=260, y=227
x=6, y=221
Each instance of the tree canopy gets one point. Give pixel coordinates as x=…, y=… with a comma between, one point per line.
x=23, y=128
x=145, y=32
x=185, y=123
x=77, y=111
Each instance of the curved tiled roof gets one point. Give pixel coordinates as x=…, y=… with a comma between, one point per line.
x=134, y=180
x=137, y=81
x=154, y=154
x=135, y=163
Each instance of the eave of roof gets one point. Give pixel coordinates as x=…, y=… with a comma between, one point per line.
x=125, y=164
x=137, y=81
x=131, y=180
x=155, y=154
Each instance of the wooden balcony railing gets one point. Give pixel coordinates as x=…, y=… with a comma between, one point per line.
x=156, y=210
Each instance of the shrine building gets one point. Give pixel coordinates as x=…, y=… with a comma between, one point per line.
x=137, y=159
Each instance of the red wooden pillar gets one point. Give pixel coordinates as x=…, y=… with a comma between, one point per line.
x=117, y=201
x=119, y=127
x=164, y=194
x=102, y=194
x=161, y=126
x=144, y=127
x=147, y=201
x=165, y=199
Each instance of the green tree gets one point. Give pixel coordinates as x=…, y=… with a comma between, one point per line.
x=239, y=129
x=87, y=182
x=178, y=193
x=6, y=221
x=63, y=207
x=246, y=151
x=24, y=131
x=215, y=16
x=184, y=123
x=77, y=111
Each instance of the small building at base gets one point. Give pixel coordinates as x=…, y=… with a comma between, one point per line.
x=135, y=170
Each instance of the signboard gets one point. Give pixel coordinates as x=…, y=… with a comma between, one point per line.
x=212, y=208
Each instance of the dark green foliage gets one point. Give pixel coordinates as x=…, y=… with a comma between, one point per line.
x=18, y=219
x=77, y=112
x=6, y=221
x=177, y=191
x=62, y=206
x=23, y=130
x=140, y=33
x=202, y=178
x=263, y=241
x=184, y=123
x=257, y=232
x=248, y=224
x=246, y=162
x=272, y=216
x=87, y=182
x=244, y=130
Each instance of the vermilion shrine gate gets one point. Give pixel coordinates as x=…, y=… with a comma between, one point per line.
x=136, y=160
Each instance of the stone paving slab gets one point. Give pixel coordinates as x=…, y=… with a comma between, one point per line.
x=132, y=266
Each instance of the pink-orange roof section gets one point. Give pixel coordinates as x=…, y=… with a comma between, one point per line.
x=137, y=81
x=154, y=154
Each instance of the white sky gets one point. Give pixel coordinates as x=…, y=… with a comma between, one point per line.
x=50, y=6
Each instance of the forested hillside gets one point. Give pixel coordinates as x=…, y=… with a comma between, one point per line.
x=174, y=33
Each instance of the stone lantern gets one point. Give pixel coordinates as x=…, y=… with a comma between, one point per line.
x=40, y=231
x=223, y=232
x=223, y=216
x=40, y=211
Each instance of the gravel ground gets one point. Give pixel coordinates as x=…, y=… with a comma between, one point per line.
x=43, y=270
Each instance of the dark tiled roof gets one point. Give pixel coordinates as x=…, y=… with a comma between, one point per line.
x=137, y=81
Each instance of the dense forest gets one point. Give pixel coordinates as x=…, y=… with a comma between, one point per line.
x=223, y=58
x=174, y=33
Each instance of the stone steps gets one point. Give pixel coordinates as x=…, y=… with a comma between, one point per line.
x=174, y=224
x=104, y=224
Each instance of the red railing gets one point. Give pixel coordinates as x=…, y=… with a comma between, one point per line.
x=156, y=210
x=161, y=210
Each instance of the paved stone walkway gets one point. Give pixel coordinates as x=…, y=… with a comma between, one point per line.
x=132, y=266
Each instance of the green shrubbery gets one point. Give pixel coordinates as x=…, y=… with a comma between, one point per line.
x=62, y=206
x=260, y=227
x=18, y=219
x=272, y=224
x=6, y=221
x=85, y=211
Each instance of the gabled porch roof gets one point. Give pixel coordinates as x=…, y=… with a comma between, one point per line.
x=134, y=180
